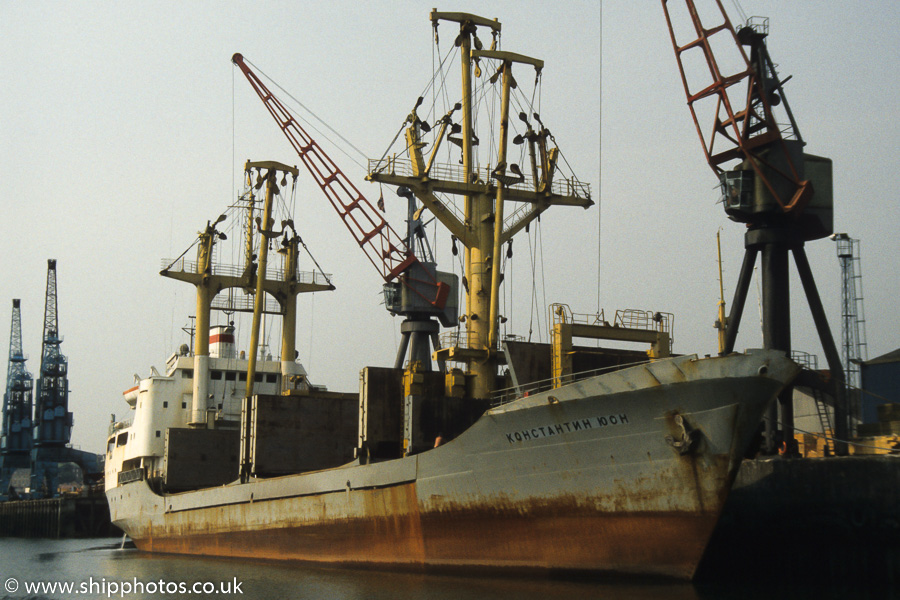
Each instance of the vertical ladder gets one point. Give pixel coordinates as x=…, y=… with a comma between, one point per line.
x=824, y=420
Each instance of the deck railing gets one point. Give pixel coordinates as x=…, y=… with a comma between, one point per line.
x=273, y=273
x=118, y=425
x=562, y=186
x=507, y=395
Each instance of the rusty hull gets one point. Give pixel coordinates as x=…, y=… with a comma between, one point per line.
x=555, y=536
x=624, y=497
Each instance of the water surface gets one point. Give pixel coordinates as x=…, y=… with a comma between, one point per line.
x=40, y=569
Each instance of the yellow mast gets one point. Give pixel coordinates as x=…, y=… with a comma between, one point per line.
x=482, y=230
x=720, y=324
x=265, y=232
x=208, y=283
x=289, y=322
x=498, y=211
x=478, y=245
x=249, y=257
x=204, y=282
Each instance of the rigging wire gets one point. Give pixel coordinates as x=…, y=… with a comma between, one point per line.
x=293, y=208
x=508, y=306
x=503, y=306
x=533, y=308
x=540, y=237
x=740, y=10
x=171, y=264
x=430, y=83
x=312, y=321
x=444, y=86
x=491, y=109
x=423, y=94
x=599, y=160
x=233, y=134
x=312, y=258
x=317, y=118
x=434, y=50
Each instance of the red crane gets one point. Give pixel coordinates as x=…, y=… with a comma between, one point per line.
x=770, y=189
x=744, y=124
x=386, y=250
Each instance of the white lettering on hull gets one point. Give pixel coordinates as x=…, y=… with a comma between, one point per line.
x=544, y=431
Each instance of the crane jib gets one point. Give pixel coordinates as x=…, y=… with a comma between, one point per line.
x=381, y=235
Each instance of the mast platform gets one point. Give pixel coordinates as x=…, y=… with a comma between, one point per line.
x=450, y=179
x=235, y=276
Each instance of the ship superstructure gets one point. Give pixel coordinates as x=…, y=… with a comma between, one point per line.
x=630, y=453
x=195, y=407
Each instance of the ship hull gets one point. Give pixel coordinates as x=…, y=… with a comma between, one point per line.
x=625, y=472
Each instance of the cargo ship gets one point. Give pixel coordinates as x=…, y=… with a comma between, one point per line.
x=509, y=455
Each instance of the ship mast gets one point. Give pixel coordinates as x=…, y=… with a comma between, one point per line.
x=210, y=280
x=266, y=233
x=478, y=246
x=484, y=229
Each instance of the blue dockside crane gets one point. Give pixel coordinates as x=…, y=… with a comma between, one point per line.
x=15, y=432
x=52, y=419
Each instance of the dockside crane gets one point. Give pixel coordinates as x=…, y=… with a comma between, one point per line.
x=781, y=194
x=52, y=419
x=15, y=433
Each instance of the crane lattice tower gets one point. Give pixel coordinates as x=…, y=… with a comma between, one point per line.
x=854, y=348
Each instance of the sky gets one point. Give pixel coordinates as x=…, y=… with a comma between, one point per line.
x=125, y=128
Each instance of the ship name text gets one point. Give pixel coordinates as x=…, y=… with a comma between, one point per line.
x=545, y=431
